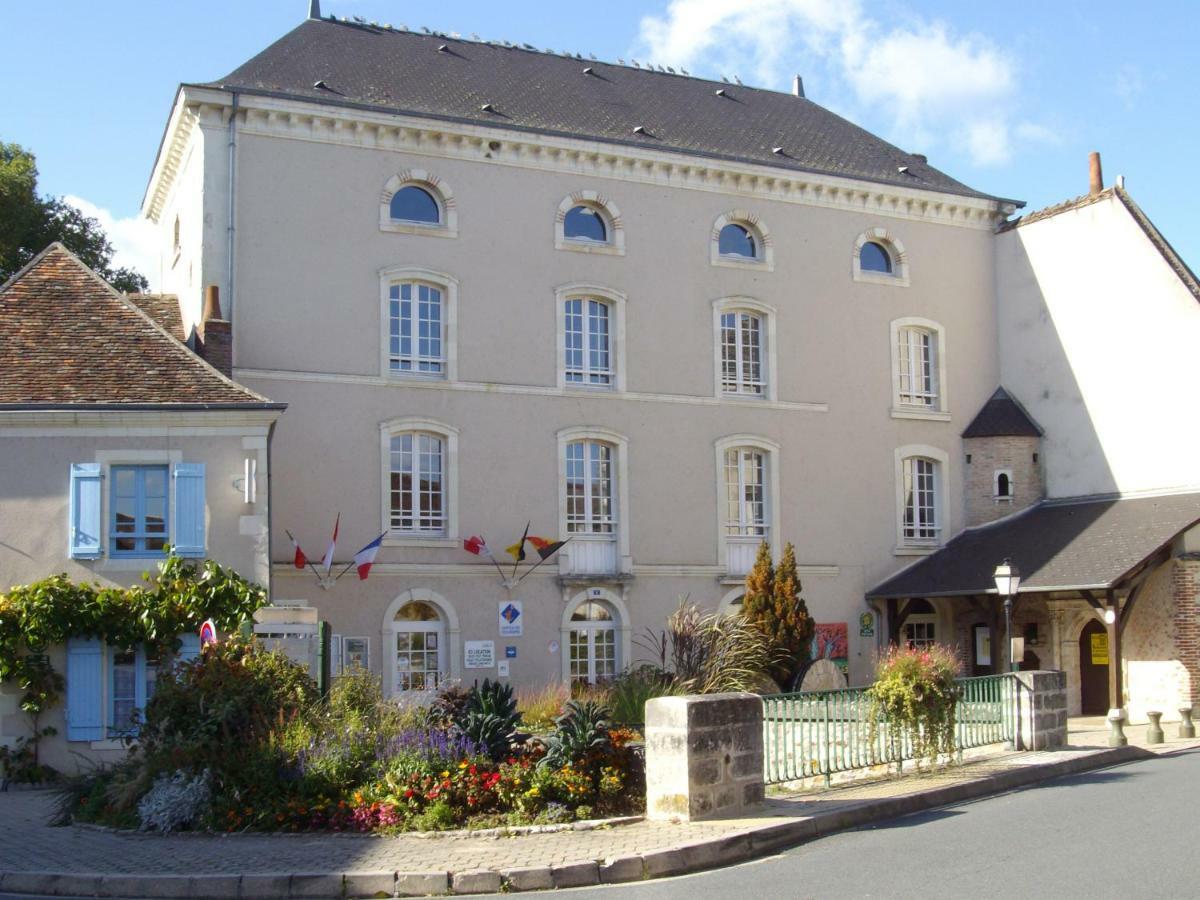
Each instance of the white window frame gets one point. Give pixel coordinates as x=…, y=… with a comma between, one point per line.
x=442, y=194
x=765, y=261
x=941, y=411
x=906, y=546
x=621, y=621
x=1012, y=488
x=448, y=285
x=614, y=225
x=616, y=333
x=770, y=450
x=449, y=621
x=343, y=651
x=767, y=315
x=923, y=619
x=620, y=446
x=449, y=437
x=893, y=246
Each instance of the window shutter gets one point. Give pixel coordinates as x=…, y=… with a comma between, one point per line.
x=84, y=516
x=189, y=647
x=85, y=690
x=188, y=539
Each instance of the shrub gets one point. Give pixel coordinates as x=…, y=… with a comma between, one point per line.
x=916, y=694
x=710, y=653
x=175, y=802
x=773, y=604
x=541, y=706
x=627, y=694
x=491, y=719
x=581, y=730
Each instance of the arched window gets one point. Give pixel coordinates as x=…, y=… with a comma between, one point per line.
x=415, y=204
x=1003, y=484
x=418, y=202
x=594, y=501
x=420, y=496
x=419, y=322
x=918, y=369
x=590, y=478
x=419, y=645
x=748, y=499
x=874, y=258
x=737, y=240
x=585, y=223
x=592, y=643
x=740, y=239
x=920, y=626
x=921, y=490
x=745, y=340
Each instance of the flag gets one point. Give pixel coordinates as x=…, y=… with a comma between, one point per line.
x=545, y=548
x=517, y=550
x=300, y=560
x=477, y=545
x=366, y=556
x=327, y=561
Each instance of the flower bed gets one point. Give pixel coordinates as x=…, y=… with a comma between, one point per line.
x=238, y=741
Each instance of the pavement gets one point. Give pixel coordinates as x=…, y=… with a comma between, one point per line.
x=87, y=862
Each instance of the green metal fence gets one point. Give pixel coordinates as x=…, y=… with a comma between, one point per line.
x=822, y=732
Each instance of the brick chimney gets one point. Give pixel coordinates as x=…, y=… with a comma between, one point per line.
x=1095, y=175
x=215, y=334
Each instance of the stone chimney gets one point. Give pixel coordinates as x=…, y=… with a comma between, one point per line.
x=215, y=335
x=1095, y=175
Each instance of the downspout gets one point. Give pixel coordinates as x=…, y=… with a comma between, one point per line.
x=229, y=250
x=270, y=515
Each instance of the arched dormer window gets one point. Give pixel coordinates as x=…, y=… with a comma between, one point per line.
x=880, y=258
x=590, y=223
x=418, y=202
x=740, y=239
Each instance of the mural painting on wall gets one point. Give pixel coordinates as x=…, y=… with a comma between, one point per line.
x=832, y=642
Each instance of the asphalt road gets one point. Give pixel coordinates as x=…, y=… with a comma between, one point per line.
x=1130, y=831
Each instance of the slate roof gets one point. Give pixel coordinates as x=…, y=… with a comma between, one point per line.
x=403, y=72
x=163, y=309
x=1002, y=415
x=1088, y=544
x=68, y=340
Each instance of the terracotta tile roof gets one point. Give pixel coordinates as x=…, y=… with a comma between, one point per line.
x=163, y=309
x=1002, y=415
x=439, y=76
x=1082, y=543
x=68, y=339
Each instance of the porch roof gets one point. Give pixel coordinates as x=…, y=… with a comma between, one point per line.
x=1058, y=545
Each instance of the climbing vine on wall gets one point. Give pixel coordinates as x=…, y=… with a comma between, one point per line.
x=172, y=601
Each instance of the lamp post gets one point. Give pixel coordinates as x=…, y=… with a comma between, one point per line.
x=1008, y=580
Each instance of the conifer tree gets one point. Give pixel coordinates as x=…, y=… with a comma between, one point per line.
x=774, y=604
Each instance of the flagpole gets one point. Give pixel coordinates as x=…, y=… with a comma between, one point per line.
x=541, y=560
x=520, y=550
x=503, y=580
x=309, y=562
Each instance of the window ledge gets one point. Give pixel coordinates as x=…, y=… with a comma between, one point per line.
x=733, y=262
x=400, y=539
x=911, y=412
x=589, y=247
x=128, y=563
x=107, y=744
x=572, y=386
x=417, y=228
x=401, y=375
x=739, y=397
x=914, y=550
x=880, y=278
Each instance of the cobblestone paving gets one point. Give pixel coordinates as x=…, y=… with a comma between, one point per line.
x=28, y=844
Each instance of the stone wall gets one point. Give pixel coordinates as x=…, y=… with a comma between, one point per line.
x=1186, y=590
x=1155, y=678
x=704, y=756
x=1015, y=454
x=1042, y=710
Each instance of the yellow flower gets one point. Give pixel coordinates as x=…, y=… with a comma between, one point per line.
x=463, y=764
x=446, y=774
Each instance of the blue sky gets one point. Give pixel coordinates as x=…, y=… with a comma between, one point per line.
x=1007, y=97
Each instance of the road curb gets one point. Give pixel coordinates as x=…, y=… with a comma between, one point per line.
x=693, y=856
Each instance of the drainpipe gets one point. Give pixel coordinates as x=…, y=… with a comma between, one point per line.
x=230, y=229
x=270, y=516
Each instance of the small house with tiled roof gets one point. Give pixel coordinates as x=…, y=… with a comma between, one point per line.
x=117, y=440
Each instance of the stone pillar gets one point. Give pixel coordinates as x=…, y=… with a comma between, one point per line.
x=704, y=756
x=1041, y=710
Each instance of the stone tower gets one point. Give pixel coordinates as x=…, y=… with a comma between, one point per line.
x=1003, y=460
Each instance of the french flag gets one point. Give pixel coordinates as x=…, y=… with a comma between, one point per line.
x=365, y=557
x=327, y=560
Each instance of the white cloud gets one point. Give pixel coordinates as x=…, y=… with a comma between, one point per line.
x=1129, y=84
x=134, y=240
x=930, y=85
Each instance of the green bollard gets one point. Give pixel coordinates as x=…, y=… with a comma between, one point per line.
x=1154, y=732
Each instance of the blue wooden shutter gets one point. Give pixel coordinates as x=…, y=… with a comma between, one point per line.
x=189, y=647
x=188, y=539
x=85, y=689
x=84, y=517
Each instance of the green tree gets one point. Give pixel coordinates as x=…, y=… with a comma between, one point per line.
x=773, y=603
x=29, y=223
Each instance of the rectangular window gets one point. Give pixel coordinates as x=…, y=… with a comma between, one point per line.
x=590, y=488
x=416, y=337
x=918, y=368
x=587, y=350
x=133, y=675
x=742, y=353
x=918, y=635
x=355, y=654
x=139, y=510
x=418, y=483
x=745, y=493
x=920, y=501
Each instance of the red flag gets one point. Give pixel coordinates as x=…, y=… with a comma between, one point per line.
x=545, y=548
x=475, y=544
x=300, y=560
x=327, y=561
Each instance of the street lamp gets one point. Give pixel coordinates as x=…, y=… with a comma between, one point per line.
x=1008, y=579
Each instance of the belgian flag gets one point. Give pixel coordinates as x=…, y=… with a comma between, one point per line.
x=545, y=548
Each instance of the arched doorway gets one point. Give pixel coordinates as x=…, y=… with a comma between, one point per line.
x=419, y=644
x=1093, y=669
x=592, y=643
